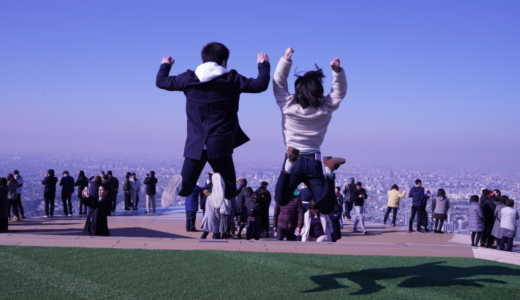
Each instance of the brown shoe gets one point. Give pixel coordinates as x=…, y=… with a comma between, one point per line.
x=333, y=163
x=292, y=154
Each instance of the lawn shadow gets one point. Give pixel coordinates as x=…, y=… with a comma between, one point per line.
x=420, y=276
x=145, y=232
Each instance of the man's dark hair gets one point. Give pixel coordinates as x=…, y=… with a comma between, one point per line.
x=308, y=89
x=105, y=186
x=510, y=202
x=16, y=172
x=65, y=172
x=50, y=172
x=473, y=199
x=214, y=52
x=352, y=179
x=497, y=192
x=152, y=173
x=264, y=183
x=3, y=181
x=417, y=181
x=109, y=172
x=485, y=192
x=359, y=184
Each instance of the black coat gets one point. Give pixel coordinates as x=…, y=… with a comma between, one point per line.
x=357, y=200
x=212, y=108
x=488, y=208
x=50, y=184
x=150, y=183
x=67, y=184
x=266, y=204
x=96, y=223
x=81, y=183
x=335, y=216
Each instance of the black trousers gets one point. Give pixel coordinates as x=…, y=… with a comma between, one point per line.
x=49, y=203
x=192, y=168
x=253, y=229
x=419, y=210
x=19, y=204
x=282, y=233
x=66, y=199
x=82, y=207
x=394, y=215
x=191, y=217
x=128, y=201
x=136, y=204
x=487, y=239
x=13, y=205
x=114, y=201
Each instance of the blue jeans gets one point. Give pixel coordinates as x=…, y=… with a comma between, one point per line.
x=308, y=170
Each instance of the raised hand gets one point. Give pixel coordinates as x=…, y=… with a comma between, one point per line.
x=168, y=60
x=288, y=53
x=262, y=57
x=335, y=65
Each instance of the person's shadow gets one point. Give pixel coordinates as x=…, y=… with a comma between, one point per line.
x=420, y=276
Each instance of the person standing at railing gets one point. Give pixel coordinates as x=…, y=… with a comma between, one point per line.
x=19, y=179
x=49, y=193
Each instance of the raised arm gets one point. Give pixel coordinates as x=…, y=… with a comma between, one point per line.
x=166, y=82
x=261, y=82
x=339, y=84
x=280, y=86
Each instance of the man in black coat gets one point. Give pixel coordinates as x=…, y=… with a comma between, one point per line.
x=488, y=209
x=49, y=192
x=114, y=184
x=67, y=188
x=150, y=181
x=212, y=99
x=96, y=223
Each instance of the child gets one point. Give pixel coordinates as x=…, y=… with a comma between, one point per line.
x=254, y=219
x=476, y=220
x=508, y=224
x=441, y=205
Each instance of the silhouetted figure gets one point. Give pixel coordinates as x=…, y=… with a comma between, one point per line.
x=49, y=192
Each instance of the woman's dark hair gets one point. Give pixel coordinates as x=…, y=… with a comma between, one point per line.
x=3, y=181
x=441, y=193
x=309, y=89
x=510, y=202
x=338, y=189
x=485, y=192
x=81, y=174
x=312, y=204
x=97, y=179
x=10, y=177
x=51, y=172
x=395, y=187
x=473, y=199
x=249, y=189
x=504, y=199
x=128, y=174
x=214, y=52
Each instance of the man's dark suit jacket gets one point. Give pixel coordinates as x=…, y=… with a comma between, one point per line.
x=212, y=108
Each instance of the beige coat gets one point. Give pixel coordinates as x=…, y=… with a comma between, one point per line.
x=394, y=196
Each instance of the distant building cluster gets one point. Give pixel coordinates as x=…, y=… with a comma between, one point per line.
x=459, y=184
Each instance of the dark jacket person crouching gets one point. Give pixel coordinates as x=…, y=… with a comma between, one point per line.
x=96, y=223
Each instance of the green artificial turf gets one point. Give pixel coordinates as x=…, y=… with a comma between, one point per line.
x=75, y=273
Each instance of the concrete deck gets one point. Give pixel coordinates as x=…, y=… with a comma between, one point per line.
x=166, y=230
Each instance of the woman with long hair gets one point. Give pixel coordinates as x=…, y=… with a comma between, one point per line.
x=306, y=115
x=81, y=183
x=440, y=206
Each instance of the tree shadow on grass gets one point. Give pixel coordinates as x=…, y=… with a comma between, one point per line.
x=425, y=275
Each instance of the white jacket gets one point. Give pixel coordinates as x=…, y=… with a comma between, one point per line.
x=325, y=223
x=306, y=128
x=509, y=218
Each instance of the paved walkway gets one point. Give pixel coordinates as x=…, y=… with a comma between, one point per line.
x=166, y=230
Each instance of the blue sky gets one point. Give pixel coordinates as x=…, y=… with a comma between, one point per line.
x=430, y=82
